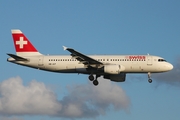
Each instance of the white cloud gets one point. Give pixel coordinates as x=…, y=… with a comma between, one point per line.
x=82, y=101
x=10, y=118
x=35, y=98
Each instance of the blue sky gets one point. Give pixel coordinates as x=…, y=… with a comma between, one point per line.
x=95, y=27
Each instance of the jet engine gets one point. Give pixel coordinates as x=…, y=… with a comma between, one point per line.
x=116, y=78
x=113, y=69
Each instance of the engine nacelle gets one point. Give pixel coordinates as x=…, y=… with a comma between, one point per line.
x=113, y=69
x=116, y=78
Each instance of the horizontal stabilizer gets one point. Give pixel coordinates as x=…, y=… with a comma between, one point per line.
x=18, y=58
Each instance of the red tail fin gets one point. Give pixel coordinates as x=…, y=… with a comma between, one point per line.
x=22, y=45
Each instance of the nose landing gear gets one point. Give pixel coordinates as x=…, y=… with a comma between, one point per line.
x=95, y=81
x=150, y=80
x=149, y=77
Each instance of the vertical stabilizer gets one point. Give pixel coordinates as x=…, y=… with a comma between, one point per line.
x=22, y=45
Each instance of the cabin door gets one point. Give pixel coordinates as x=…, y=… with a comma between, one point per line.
x=149, y=60
x=40, y=61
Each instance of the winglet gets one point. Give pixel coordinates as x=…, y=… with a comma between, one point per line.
x=64, y=47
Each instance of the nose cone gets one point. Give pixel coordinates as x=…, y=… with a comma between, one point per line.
x=169, y=66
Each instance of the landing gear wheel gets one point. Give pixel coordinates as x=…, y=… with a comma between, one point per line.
x=150, y=80
x=95, y=82
x=91, y=77
x=149, y=76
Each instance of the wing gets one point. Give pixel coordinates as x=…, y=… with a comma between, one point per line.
x=86, y=60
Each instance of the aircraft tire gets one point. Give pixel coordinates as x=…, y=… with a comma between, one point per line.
x=95, y=82
x=91, y=77
x=150, y=80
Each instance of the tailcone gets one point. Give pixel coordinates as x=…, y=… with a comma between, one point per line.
x=11, y=59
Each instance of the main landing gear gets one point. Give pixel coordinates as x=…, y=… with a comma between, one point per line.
x=95, y=81
x=149, y=77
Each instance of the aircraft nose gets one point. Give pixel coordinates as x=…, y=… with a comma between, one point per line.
x=170, y=66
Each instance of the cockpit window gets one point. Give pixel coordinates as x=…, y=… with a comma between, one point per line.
x=161, y=60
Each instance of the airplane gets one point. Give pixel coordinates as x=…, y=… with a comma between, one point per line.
x=112, y=67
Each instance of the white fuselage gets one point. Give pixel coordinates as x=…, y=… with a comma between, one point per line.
x=68, y=64
x=113, y=67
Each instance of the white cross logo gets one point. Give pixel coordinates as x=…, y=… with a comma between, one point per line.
x=21, y=43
